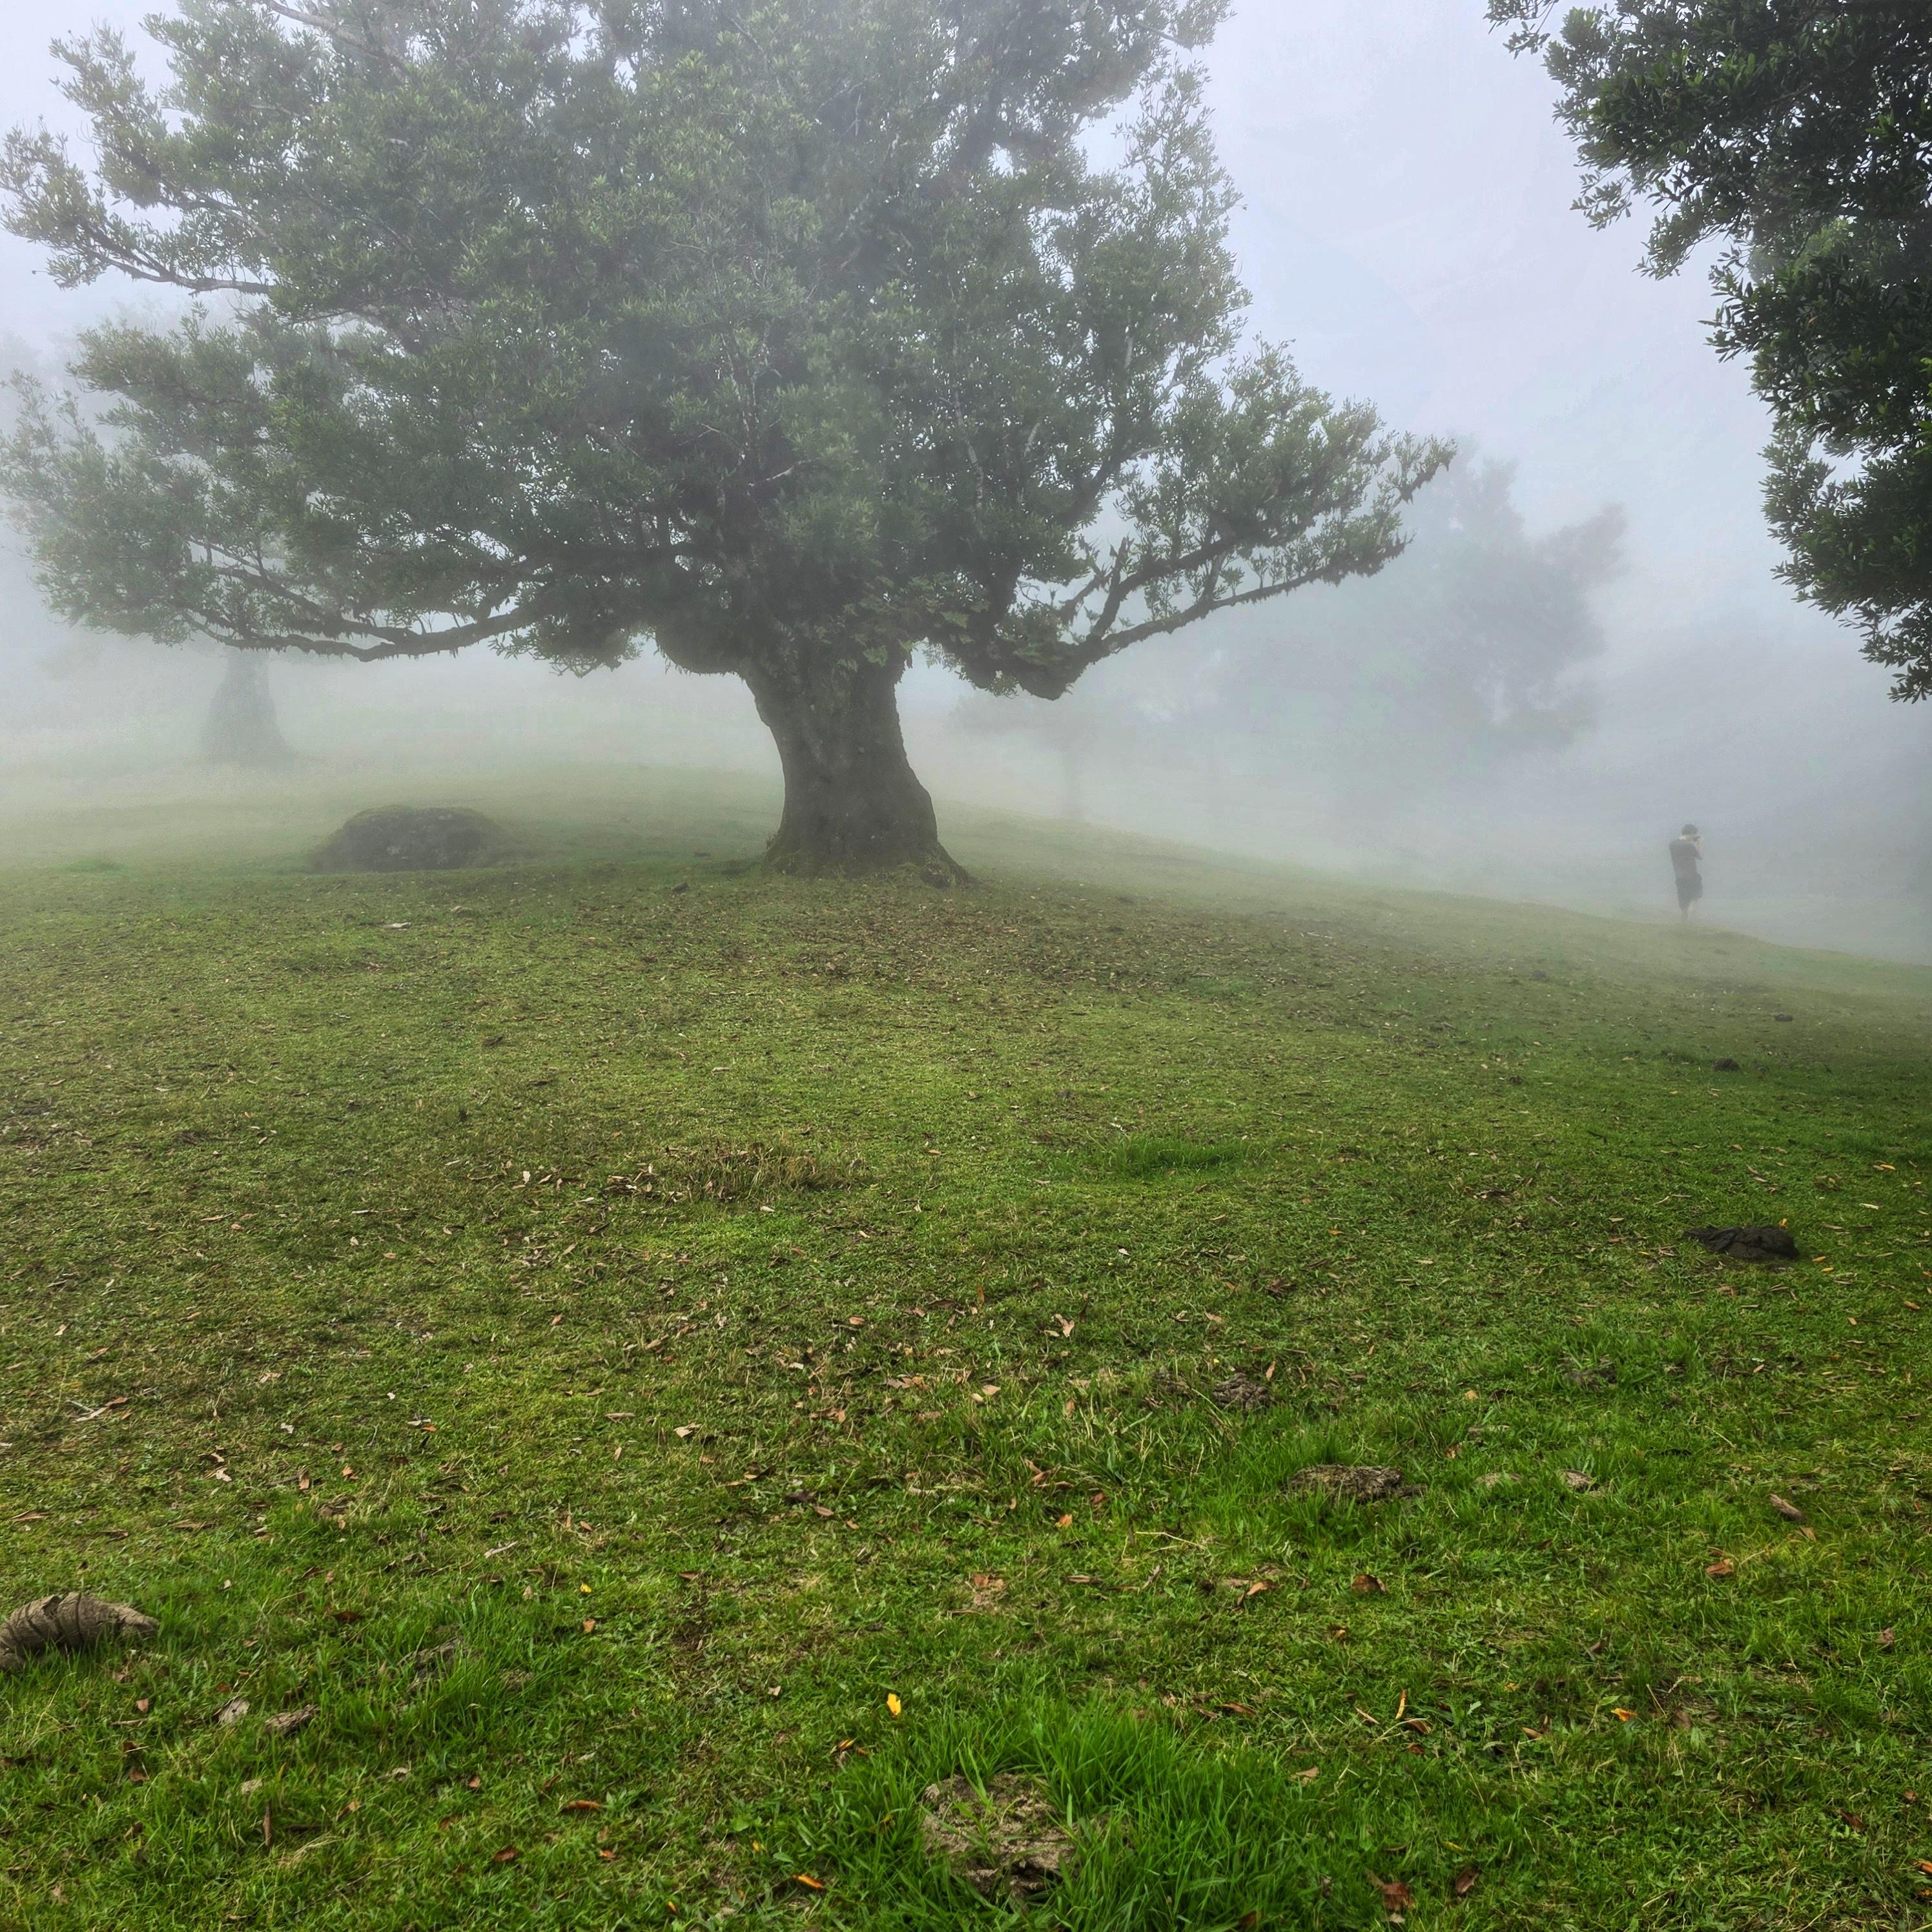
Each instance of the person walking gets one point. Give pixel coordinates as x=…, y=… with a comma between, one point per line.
x=1687, y=854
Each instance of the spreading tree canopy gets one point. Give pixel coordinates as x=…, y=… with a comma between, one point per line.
x=1799, y=134
x=791, y=337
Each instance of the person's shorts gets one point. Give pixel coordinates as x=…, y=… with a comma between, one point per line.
x=1689, y=892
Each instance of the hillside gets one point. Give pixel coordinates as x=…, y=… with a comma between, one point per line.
x=669, y=1364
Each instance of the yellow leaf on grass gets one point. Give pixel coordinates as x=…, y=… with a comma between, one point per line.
x=892, y=1703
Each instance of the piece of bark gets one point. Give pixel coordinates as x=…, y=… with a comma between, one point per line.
x=73, y=1622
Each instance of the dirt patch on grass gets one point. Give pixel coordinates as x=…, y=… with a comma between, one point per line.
x=1352, y=1482
x=1245, y=1393
x=1006, y=1841
x=738, y=1173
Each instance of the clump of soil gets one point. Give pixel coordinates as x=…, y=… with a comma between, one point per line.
x=412, y=838
x=1007, y=1841
x=1746, y=1244
x=1353, y=1483
x=70, y=1623
x=1601, y=1374
x=1242, y=1392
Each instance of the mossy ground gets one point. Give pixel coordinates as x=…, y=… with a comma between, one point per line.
x=598, y=1329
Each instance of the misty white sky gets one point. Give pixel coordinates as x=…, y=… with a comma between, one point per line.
x=1407, y=228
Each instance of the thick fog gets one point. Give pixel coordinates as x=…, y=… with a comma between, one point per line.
x=1585, y=647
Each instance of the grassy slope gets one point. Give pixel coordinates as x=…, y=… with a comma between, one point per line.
x=709, y=1311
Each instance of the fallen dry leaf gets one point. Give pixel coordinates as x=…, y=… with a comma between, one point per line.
x=508, y=1855
x=1723, y=1567
x=1575, y=1479
x=1622, y=1716
x=582, y=1804
x=1464, y=1882
x=285, y=1724
x=1365, y=1586
x=892, y=1703
x=232, y=1713
x=1789, y=1511
x=806, y=1878
x=1885, y=1638
x=1396, y=1897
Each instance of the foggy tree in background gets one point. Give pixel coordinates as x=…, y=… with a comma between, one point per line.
x=1801, y=133
x=1462, y=653
x=241, y=728
x=791, y=338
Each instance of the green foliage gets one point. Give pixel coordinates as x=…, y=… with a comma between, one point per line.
x=786, y=337
x=1800, y=135
x=263, y=1138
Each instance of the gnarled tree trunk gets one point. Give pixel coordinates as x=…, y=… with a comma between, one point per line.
x=852, y=801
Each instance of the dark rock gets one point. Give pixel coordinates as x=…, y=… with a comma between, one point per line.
x=1725, y=1066
x=1007, y=1840
x=1352, y=1482
x=412, y=838
x=1784, y=1019
x=1746, y=1244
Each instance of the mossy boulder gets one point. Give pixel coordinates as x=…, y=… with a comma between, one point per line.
x=413, y=838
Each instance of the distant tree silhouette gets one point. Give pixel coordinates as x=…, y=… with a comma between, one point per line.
x=241, y=728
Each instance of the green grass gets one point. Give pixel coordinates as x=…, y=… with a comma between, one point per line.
x=1149, y=1157
x=596, y=1342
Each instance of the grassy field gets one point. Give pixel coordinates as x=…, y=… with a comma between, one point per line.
x=669, y=1363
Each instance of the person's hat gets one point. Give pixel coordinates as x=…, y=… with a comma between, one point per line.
x=1689, y=832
